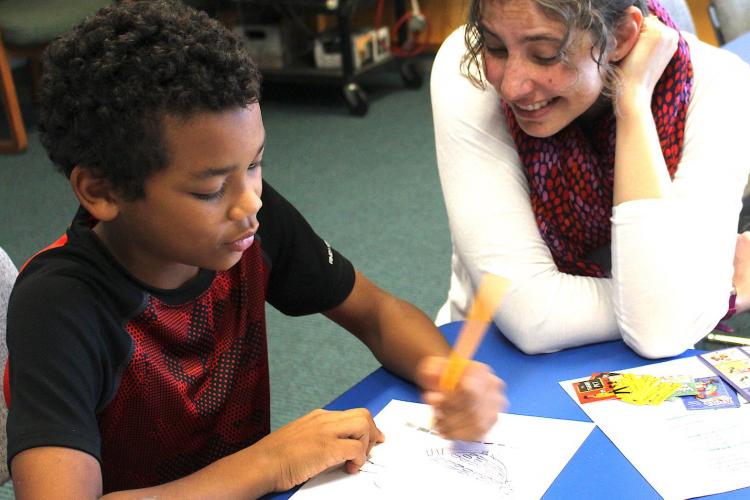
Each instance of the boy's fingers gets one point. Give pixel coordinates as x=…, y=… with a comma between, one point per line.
x=354, y=454
x=376, y=436
x=469, y=424
x=470, y=411
x=433, y=398
x=358, y=426
x=360, y=450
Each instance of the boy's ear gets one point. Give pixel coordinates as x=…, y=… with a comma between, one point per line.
x=626, y=34
x=95, y=193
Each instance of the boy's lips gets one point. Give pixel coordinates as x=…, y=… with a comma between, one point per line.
x=243, y=243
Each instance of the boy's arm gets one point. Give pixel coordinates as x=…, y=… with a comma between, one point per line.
x=54, y=472
x=397, y=333
x=278, y=462
x=406, y=342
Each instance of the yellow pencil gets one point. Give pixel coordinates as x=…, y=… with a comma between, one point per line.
x=491, y=291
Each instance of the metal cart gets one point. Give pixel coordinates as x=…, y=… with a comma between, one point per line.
x=345, y=76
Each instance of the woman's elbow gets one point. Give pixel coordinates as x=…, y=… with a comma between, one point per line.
x=657, y=341
x=530, y=340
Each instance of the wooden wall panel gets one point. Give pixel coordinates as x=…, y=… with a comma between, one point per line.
x=444, y=16
x=703, y=28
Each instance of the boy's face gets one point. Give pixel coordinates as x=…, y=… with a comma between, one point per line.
x=201, y=210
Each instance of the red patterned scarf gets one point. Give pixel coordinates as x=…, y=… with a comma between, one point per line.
x=571, y=177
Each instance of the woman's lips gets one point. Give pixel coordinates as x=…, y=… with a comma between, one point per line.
x=534, y=110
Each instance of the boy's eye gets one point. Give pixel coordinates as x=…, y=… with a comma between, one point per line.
x=216, y=195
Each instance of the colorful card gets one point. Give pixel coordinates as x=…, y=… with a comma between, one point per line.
x=644, y=389
x=597, y=388
x=686, y=385
x=713, y=393
x=733, y=365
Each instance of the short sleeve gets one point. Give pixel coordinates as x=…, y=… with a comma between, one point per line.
x=59, y=365
x=307, y=275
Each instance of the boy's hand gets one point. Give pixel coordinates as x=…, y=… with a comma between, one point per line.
x=470, y=410
x=318, y=441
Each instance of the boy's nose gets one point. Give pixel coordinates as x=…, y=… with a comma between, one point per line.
x=247, y=205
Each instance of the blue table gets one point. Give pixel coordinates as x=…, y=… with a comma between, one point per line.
x=598, y=470
x=740, y=46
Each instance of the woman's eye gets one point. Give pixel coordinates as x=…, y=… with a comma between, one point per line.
x=496, y=51
x=549, y=60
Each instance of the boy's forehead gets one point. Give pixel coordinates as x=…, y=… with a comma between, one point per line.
x=213, y=138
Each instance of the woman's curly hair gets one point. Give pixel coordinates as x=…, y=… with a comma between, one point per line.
x=599, y=18
x=109, y=82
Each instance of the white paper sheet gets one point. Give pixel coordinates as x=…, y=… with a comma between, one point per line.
x=520, y=458
x=681, y=453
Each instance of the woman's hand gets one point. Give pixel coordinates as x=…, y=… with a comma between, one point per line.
x=642, y=67
x=640, y=168
x=468, y=411
x=741, y=278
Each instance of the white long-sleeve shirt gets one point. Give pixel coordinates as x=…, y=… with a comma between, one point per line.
x=671, y=258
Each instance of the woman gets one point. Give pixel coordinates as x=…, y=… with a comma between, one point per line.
x=594, y=156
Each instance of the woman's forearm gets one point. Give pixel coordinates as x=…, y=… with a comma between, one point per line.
x=640, y=170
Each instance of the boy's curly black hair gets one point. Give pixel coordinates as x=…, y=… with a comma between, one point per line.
x=108, y=83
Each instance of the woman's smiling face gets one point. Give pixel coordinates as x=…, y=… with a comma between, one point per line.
x=524, y=62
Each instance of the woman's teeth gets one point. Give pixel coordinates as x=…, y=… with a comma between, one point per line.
x=535, y=106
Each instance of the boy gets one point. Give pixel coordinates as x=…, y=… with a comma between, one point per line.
x=138, y=349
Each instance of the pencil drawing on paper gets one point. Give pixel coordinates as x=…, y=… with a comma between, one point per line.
x=416, y=462
x=481, y=466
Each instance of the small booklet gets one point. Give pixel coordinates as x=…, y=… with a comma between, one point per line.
x=732, y=365
x=712, y=393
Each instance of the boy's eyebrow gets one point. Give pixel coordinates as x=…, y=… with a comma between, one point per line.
x=209, y=172
x=212, y=172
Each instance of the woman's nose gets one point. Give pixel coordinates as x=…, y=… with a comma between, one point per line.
x=514, y=81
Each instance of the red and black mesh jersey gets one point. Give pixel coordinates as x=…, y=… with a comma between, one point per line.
x=157, y=384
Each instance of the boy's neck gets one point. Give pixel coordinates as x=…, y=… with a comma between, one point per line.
x=153, y=273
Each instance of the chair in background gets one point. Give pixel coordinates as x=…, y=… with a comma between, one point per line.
x=680, y=13
x=26, y=27
x=8, y=275
x=730, y=18
x=17, y=141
